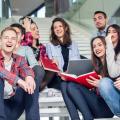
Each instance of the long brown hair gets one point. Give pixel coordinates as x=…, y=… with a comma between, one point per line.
x=67, y=36
x=98, y=65
x=117, y=28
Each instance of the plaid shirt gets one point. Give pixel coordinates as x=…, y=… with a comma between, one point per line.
x=19, y=69
x=41, y=51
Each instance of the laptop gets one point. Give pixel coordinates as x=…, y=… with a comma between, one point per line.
x=79, y=67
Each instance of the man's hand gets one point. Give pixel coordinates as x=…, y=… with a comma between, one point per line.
x=31, y=83
x=21, y=83
x=117, y=83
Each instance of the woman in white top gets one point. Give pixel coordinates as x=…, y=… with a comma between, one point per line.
x=110, y=88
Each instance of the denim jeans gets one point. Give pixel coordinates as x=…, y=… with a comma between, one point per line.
x=72, y=109
x=2, y=112
x=15, y=106
x=110, y=94
x=88, y=102
x=61, y=85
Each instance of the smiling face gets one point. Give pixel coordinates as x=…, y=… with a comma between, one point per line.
x=98, y=48
x=35, y=31
x=114, y=35
x=100, y=21
x=58, y=29
x=8, y=41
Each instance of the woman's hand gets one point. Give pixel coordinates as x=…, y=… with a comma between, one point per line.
x=117, y=83
x=93, y=81
x=27, y=24
x=108, y=37
x=55, y=61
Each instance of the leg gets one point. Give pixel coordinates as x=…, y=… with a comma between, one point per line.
x=96, y=104
x=31, y=101
x=69, y=103
x=78, y=98
x=14, y=106
x=110, y=94
x=2, y=112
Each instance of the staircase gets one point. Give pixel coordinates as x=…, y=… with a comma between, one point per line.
x=79, y=34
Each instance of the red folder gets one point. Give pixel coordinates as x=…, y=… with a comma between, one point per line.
x=49, y=65
x=80, y=79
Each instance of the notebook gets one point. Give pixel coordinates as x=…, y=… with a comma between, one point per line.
x=79, y=70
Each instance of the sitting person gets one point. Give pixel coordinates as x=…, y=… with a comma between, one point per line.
x=27, y=52
x=61, y=49
x=89, y=102
x=20, y=76
x=110, y=87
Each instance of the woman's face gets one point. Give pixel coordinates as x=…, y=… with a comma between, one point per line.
x=114, y=35
x=98, y=48
x=58, y=29
x=35, y=31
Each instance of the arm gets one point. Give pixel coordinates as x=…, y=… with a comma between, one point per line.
x=25, y=70
x=10, y=77
x=48, y=50
x=30, y=57
x=112, y=64
x=28, y=39
x=74, y=54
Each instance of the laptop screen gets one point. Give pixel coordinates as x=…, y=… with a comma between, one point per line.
x=79, y=67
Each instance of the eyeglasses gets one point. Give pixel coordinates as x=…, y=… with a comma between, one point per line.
x=7, y=38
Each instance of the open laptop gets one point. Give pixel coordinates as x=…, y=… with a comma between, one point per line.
x=79, y=67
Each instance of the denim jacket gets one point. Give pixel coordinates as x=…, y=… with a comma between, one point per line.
x=54, y=52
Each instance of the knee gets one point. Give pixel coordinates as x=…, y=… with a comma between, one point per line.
x=71, y=87
x=38, y=71
x=105, y=85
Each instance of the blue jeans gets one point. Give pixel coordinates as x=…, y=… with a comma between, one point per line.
x=110, y=94
x=88, y=102
x=68, y=101
x=61, y=85
x=15, y=106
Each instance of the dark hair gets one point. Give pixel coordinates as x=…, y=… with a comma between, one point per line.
x=37, y=43
x=98, y=65
x=67, y=36
x=117, y=28
x=20, y=27
x=22, y=18
x=7, y=29
x=97, y=12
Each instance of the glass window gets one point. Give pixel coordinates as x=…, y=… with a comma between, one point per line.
x=0, y=8
x=41, y=13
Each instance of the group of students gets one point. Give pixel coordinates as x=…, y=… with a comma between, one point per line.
x=20, y=66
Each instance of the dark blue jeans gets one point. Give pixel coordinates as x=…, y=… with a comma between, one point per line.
x=61, y=85
x=15, y=106
x=88, y=102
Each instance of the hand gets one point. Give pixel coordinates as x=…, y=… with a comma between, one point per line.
x=55, y=61
x=93, y=81
x=117, y=83
x=62, y=78
x=27, y=24
x=21, y=83
x=39, y=62
x=31, y=83
x=108, y=37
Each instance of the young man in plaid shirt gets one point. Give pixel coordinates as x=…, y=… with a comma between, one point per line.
x=16, y=79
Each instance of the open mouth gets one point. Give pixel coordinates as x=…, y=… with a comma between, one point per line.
x=8, y=45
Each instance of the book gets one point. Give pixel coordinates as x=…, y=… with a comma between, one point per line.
x=49, y=65
x=80, y=79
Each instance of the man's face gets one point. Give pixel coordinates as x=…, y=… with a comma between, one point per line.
x=8, y=41
x=100, y=21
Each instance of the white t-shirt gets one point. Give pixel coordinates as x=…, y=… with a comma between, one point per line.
x=8, y=89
